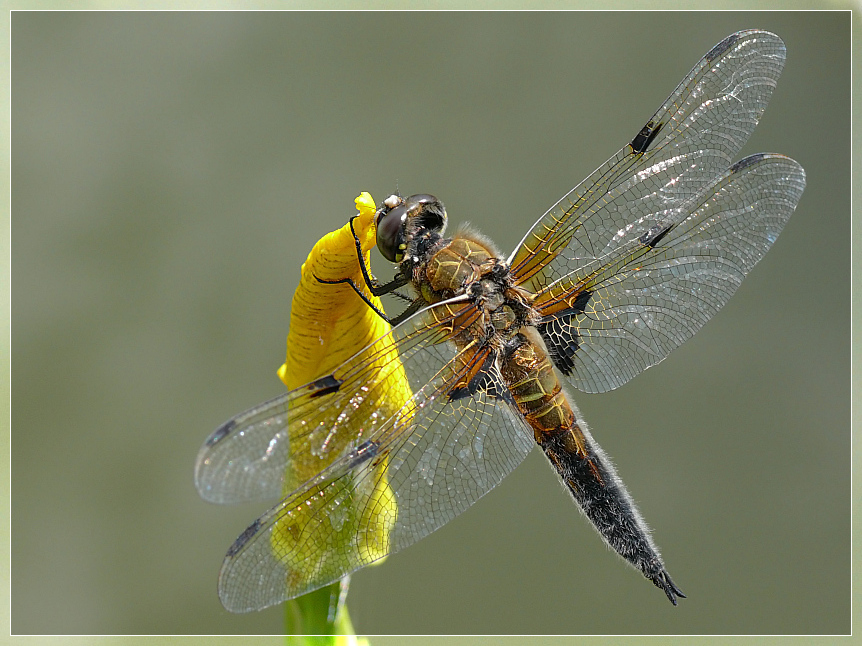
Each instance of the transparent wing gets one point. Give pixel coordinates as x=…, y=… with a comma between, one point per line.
x=689, y=141
x=659, y=279
x=399, y=476
x=267, y=450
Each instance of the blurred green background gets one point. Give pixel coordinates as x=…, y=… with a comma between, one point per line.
x=172, y=171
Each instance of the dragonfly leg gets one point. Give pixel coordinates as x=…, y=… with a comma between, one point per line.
x=375, y=288
x=414, y=307
x=359, y=292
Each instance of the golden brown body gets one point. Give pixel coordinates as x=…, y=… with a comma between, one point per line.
x=498, y=335
x=524, y=363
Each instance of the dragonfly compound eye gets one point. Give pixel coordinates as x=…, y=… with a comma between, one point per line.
x=391, y=240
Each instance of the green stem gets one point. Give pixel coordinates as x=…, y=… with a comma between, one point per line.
x=320, y=618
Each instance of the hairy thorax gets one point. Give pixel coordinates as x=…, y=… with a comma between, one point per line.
x=469, y=265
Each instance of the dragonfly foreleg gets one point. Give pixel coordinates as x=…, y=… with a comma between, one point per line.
x=359, y=292
x=373, y=286
x=376, y=289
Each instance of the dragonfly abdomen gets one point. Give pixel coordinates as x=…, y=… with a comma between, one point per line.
x=581, y=464
x=530, y=377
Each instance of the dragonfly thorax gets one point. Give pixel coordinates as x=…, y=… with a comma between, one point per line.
x=468, y=264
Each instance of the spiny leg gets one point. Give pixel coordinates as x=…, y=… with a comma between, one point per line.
x=376, y=289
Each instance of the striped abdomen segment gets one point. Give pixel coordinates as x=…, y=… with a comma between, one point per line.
x=530, y=376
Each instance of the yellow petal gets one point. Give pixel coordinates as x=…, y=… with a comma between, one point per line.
x=329, y=323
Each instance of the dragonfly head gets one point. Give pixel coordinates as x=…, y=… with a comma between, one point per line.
x=400, y=219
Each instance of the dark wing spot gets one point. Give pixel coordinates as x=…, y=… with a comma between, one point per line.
x=646, y=136
x=722, y=47
x=581, y=301
x=561, y=336
x=655, y=234
x=562, y=342
x=324, y=386
x=746, y=162
x=363, y=453
x=484, y=379
x=496, y=389
x=220, y=433
x=244, y=538
x=481, y=375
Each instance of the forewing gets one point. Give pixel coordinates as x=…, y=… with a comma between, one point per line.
x=660, y=279
x=689, y=141
x=267, y=451
x=449, y=443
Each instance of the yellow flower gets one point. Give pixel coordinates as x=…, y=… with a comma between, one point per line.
x=328, y=325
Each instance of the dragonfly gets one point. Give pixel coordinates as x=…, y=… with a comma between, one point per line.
x=418, y=425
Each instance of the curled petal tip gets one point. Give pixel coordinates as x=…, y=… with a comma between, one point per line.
x=365, y=205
